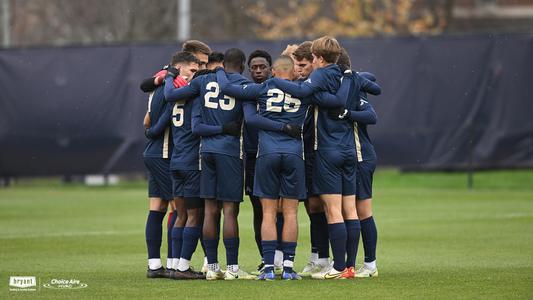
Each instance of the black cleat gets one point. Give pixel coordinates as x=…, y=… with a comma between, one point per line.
x=158, y=273
x=186, y=275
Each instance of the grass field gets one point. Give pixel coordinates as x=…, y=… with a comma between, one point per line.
x=437, y=239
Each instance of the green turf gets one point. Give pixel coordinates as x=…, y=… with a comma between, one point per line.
x=437, y=239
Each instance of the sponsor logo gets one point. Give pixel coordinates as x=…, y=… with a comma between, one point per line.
x=65, y=284
x=22, y=283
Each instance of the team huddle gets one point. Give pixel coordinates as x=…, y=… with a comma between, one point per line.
x=296, y=132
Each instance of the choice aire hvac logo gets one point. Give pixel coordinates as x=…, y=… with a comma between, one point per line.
x=22, y=283
x=65, y=284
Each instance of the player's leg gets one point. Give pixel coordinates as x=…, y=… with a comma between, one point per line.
x=192, y=229
x=159, y=194
x=320, y=233
x=267, y=187
x=210, y=230
x=256, y=203
x=177, y=231
x=349, y=212
x=171, y=219
x=278, y=257
x=269, y=236
x=369, y=232
x=292, y=189
x=229, y=191
x=327, y=183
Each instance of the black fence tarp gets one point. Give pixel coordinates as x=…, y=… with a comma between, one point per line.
x=447, y=103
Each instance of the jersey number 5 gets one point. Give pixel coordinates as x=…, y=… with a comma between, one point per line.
x=227, y=103
x=177, y=113
x=277, y=96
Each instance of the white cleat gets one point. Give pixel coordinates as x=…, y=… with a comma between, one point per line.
x=365, y=272
x=214, y=275
x=309, y=269
x=242, y=275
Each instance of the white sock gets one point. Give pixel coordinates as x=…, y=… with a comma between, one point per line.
x=278, y=258
x=169, y=262
x=154, y=263
x=313, y=257
x=233, y=268
x=183, y=264
x=175, y=262
x=205, y=260
x=213, y=267
x=323, y=262
x=370, y=265
x=288, y=263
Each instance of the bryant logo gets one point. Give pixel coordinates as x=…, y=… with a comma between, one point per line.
x=22, y=283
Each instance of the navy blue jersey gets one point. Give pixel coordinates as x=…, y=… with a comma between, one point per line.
x=214, y=109
x=185, y=155
x=329, y=134
x=159, y=144
x=250, y=138
x=362, y=117
x=282, y=108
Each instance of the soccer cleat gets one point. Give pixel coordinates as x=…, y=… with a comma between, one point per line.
x=309, y=269
x=350, y=272
x=364, y=272
x=188, y=274
x=267, y=276
x=214, y=275
x=238, y=275
x=158, y=273
x=290, y=276
x=259, y=270
x=331, y=273
x=204, y=269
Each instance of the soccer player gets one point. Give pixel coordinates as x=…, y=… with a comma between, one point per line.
x=185, y=172
x=217, y=118
x=335, y=165
x=157, y=160
x=319, y=258
x=260, y=67
x=280, y=169
x=363, y=116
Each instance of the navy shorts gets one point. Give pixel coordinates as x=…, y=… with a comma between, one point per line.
x=365, y=176
x=309, y=163
x=334, y=172
x=221, y=177
x=159, y=181
x=249, y=172
x=280, y=175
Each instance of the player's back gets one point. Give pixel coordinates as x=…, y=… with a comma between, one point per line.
x=161, y=146
x=219, y=109
x=186, y=144
x=276, y=105
x=331, y=134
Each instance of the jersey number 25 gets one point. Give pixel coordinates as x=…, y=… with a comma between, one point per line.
x=277, y=96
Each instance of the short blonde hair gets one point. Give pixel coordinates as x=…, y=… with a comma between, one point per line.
x=327, y=47
x=289, y=50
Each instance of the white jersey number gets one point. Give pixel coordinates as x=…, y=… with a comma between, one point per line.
x=277, y=96
x=177, y=113
x=227, y=103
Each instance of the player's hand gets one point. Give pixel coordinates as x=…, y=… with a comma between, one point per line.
x=158, y=80
x=337, y=113
x=232, y=128
x=293, y=130
x=173, y=72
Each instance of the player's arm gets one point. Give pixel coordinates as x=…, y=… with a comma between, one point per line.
x=326, y=99
x=150, y=84
x=252, y=118
x=367, y=114
x=197, y=124
x=173, y=94
x=370, y=86
x=159, y=128
x=247, y=92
